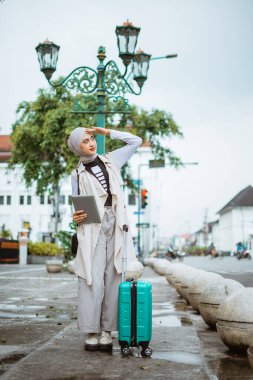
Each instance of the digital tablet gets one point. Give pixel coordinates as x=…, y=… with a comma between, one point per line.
x=88, y=204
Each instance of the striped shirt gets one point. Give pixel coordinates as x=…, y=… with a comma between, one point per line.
x=98, y=170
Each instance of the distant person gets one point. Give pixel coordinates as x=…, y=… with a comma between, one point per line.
x=239, y=247
x=212, y=250
x=98, y=263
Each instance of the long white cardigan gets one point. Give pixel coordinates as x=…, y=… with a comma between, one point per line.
x=88, y=234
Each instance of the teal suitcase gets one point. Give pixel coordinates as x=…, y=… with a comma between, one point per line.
x=134, y=314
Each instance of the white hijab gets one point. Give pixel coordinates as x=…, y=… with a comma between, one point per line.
x=74, y=142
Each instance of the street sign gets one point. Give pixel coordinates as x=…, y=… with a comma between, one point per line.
x=131, y=199
x=137, y=182
x=138, y=212
x=156, y=164
x=143, y=225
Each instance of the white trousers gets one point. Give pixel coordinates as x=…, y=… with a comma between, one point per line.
x=98, y=303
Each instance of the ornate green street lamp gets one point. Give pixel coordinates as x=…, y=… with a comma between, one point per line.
x=140, y=67
x=127, y=36
x=109, y=84
x=48, y=57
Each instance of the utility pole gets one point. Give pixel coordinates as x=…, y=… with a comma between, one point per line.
x=205, y=227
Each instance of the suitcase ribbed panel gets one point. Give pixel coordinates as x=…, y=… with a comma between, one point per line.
x=124, y=312
x=144, y=312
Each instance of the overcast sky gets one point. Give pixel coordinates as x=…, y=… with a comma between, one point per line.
x=208, y=88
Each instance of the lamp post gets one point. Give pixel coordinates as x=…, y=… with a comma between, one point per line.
x=109, y=84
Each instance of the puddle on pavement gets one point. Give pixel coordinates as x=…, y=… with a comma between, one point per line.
x=232, y=368
x=51, y=313
x=41, y=299
x=177, y=306
x=20, y=307
x=6, y=349
x=159, y=312
x=178, y=357
x=165, y=305
x=172, y=356
x=24, y=316
x=167, y=321
x=16, y=298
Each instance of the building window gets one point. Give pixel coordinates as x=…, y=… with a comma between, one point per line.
x=8, y=200
x=62, y=199
x=21, y=200
x=1, y=199
x=70, y=200
x=42, y=199
x=29, y=199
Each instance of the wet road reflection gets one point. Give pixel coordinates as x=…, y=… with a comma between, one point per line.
x=179, y=357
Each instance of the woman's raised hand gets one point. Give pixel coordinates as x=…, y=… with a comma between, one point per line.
x=79, y=216
x=100, y=131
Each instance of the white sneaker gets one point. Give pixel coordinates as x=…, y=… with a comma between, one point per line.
x=105, y=342
x=91, y=342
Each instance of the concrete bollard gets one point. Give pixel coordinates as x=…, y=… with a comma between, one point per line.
x=187, y=280
x=178, y=276
x=71, y=267
x=250, y=349
x=199, y=284
x=23, y=241
x=177, y=271
x=213, y=296
x=235, y=319
x=170, y=271
x=146, y=261
x=134, y=269
x=160, y=266
x=250, y=356
x=151, y=261
x=54, y=266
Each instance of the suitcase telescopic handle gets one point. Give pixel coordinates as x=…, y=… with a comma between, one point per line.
x=124, y=256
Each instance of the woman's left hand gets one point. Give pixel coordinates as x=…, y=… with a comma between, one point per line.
x=100, y=131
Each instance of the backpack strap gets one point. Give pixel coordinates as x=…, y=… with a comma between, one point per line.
x=78, y=187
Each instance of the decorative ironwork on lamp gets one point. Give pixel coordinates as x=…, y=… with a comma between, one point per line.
x=48, y=56
x=109, y=84
x=127, y=36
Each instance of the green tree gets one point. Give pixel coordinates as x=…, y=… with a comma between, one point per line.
x=5, y=234
x=43, y=125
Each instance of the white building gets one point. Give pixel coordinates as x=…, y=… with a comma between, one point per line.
x=207, y=235
x=235, y=224
x=20, y=207
x=236, y=221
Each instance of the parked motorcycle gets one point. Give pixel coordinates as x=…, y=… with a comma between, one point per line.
x=243, y=255
x=174, y=253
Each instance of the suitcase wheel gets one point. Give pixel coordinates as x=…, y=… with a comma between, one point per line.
x=125, y=350
x=146, y=352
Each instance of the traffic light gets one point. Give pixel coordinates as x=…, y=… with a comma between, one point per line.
x=144, y=196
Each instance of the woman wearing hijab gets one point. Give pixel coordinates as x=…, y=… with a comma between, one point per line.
x=98, y=263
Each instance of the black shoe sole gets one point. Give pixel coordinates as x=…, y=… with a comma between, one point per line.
x=105, y=347
x=91, y=347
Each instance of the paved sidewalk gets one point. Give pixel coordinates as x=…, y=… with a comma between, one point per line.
x=184, y=348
